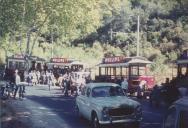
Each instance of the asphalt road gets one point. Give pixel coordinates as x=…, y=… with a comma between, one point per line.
x=50, y=109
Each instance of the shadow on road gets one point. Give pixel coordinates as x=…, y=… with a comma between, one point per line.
x=63, y=107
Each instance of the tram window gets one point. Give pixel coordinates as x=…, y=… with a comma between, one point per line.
x=17, y=65
x=10, y=64
x=134, y=70
x=21, y=65
x=142, y=71
x=118, y=72
x=103, y=71
x=125, y=71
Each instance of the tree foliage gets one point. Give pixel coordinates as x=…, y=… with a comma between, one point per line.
x=163, y=24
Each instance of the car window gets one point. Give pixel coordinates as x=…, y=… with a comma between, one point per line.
x=83, y=91
x=107, y=91
x=170, y=120
x=183, y=120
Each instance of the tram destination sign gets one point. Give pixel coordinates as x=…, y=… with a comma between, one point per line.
x=18, y=56
x=59, y=60
x=116, y=59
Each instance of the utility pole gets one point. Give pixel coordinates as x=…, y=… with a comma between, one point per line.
x=138, y=38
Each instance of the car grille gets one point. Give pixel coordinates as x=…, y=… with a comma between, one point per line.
x=121, y=111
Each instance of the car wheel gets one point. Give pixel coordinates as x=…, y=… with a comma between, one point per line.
x=95, y=121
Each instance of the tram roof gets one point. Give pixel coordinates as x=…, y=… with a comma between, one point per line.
x=21, y=58
x=65, y=62
x=125, y=61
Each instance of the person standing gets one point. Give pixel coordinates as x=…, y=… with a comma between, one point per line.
x=49, y=80
x=17, y=82
x=124, y=85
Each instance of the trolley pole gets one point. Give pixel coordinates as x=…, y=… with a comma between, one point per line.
x=138, y=38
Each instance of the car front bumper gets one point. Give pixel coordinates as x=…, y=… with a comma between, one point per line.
x=120, y=121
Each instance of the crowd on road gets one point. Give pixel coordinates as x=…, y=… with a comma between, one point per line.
x=64, y=80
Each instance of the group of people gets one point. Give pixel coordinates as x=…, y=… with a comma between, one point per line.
x=37, y=77
x=69, y=86
x=167, y=93
x=124, y=84
x=14, y=85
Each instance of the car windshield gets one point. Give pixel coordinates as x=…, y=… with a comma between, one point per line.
x=107, y=91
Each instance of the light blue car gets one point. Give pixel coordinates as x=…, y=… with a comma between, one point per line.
x=106, y=103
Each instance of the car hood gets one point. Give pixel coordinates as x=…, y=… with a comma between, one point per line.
x=114, y=102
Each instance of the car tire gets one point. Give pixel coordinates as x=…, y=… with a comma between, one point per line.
x=95, y=121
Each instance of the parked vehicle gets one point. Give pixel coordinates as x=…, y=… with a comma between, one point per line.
x=177, y=115
x=106, y=103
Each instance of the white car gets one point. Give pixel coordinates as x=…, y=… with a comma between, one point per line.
x=177, y=115
x=106, y=103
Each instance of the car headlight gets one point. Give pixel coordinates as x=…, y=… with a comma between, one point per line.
x=105, y=111
x=138, y=109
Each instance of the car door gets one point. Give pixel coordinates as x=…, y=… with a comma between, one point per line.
x=80, y=101
x=85, y=103
x=88, y=103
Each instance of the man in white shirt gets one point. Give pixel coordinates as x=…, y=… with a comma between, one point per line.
x=124, y=85
x=17, y=82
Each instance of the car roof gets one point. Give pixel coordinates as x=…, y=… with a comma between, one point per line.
x=93, y=85
x=183, y=101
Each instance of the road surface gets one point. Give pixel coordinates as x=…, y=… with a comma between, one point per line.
x=50, y=109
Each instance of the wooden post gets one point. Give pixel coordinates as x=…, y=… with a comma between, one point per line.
x=114, y=71
x=121, y=71
x=129, y=72
x=138, y=73
x=99, y=71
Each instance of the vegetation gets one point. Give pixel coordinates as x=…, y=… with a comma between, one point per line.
x=90, y=29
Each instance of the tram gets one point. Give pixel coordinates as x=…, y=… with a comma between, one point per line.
x=18, y=62
x=65, y=63
x=135, y=69
x=76, y=69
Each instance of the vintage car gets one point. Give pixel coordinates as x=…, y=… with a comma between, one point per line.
x=106, y=103
x=177, y=115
